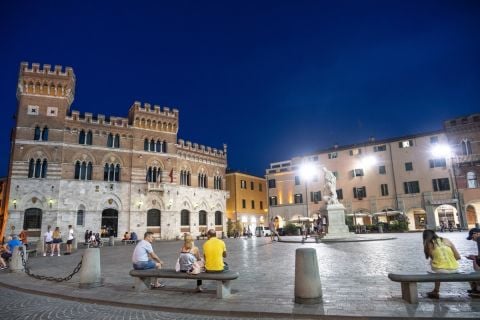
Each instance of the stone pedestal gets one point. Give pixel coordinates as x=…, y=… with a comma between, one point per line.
x=337, y=229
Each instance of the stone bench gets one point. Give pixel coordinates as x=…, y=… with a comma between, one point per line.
x=143, y=278
x=409, y=281
x=125, y=242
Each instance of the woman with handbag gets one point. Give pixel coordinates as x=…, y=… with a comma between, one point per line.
x=190, y=260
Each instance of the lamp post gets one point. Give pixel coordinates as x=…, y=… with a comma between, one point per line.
x=307, y=170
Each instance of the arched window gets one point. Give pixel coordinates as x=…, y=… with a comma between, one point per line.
x=471, y=180
x=83, y=171
x=89, y=171
x=164, y=149
x=89, y=138
x=152, y=145
x=81, y=137
x=185, y=218
x=466, y=147
x=45, y=134
x=145, y=145
x=31, y=168
x=158, y=146
x=77, y=170
x=80, y=217
x=44, y=168
x=202, y=218
x=111, y=173
x=149, y=174
x=189, y=176
x=217, y=183
x=38, y=168
x=36, y=135
x=218, y=218
x=154, y=176
x=117, y=172
x=117, y=141
x=110, y=140
x=105, y=172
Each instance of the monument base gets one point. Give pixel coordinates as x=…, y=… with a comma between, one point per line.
x=337, y=229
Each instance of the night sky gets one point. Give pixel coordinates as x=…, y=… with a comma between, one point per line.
x=271, y=79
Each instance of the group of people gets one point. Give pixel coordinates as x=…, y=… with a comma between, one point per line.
x=6, y=250
x=92, y=239
x=190, y=260
x=444, y=258
x=130, y=236
x=53, y=240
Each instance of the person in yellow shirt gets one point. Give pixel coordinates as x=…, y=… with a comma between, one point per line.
x=443, y=255
x=214, y=251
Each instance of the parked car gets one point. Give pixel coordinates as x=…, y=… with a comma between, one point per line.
x=262, y=232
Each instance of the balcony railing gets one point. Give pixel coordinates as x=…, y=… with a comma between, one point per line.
x=467, y=158
x=156, y=187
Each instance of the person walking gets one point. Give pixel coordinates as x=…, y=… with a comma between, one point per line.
x=443, y=257
x=48, y=240
x=214, y=250
x=144, y=258
x=70, y=237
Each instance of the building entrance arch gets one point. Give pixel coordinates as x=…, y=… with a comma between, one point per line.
x=109, y=222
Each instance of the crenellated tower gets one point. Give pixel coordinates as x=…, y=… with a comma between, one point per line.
x=45, y=93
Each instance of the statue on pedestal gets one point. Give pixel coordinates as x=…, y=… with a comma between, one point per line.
x=330, y=188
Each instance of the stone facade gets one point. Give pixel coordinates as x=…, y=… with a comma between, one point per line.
x=96, y=171
x=423, y=176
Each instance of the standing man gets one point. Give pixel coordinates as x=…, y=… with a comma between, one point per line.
x=144, y=258
x=271, y=226
x=474, y=235
x=48, y=240
x=214, y=251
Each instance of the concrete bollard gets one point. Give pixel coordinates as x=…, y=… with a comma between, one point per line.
x=111, y=241
x=308, y=288
x=16, y=263
x=41, y=246
x=90, y=273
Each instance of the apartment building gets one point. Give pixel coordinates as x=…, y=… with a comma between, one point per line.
x=100, y=173
x=429, y=178
x=248, y=199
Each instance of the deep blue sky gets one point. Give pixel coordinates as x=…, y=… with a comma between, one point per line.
x=272, y=79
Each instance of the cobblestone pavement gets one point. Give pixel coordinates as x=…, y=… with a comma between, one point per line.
x=353, y=274
x=19, y=305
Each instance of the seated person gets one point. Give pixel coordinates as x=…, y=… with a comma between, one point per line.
x=3, y=264
x=190, y=258
x=126, y=236
x=133, y=236
x=11, y=244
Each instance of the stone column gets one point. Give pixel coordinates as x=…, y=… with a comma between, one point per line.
x=90, y=273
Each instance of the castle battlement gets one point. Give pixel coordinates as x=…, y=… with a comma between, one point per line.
x=46, y=69
x=156, y=109
x=100, y=119
x=195, y=147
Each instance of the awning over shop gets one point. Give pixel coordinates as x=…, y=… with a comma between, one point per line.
x=388, y=213
x=298, y=217
x=358, y=214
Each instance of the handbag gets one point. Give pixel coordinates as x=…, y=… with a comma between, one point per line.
x=177, y=266
x=197, y=267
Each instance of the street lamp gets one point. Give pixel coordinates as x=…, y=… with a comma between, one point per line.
x=307, y=171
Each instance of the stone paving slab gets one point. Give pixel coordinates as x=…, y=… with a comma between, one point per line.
x=354, y=280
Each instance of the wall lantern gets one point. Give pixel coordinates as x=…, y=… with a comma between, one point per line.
x=140, y=204
x=50, y=202
x=14, y=203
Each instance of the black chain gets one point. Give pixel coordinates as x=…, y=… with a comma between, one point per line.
x=48, y=278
